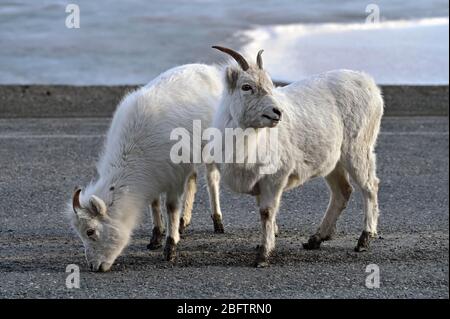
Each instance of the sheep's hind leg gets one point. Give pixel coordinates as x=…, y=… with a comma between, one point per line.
x=339, y=185
x=173, y=204
x=189, y=196
x=362, y=169
x=158, y=226
x=269, y=202
x=213, y=179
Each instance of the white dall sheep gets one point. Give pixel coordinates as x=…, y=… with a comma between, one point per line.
x=327, y=126
x=135, y=166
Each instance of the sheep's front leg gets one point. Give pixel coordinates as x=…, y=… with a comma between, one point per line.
x=276, y=228
x=158, y=226
x=213, y=178
x=269, y=202
x=173, y=204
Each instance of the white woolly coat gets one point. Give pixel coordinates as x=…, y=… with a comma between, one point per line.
x=136, y=155
x=325, y=117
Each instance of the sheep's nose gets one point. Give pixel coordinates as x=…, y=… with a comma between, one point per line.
x=277, y=112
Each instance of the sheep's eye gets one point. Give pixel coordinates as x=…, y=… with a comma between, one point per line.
x=246, y=87
x=90, y=232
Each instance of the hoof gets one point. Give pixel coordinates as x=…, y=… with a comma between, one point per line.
x=156, y=240
x=262, y=258
x=330, y=236
x=313, y=243
x=170, y=250
x=218, y=225
x=363, y=242
x=182, y=226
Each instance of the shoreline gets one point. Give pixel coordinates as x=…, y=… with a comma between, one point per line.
x=57, y=101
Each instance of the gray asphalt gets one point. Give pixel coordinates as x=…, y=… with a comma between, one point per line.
x=41, y=160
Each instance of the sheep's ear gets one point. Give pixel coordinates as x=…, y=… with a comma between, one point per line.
x=76, y=201
x=232, y=77
x=98, y=205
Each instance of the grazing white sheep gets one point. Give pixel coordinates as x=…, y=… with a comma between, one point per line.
x=327, y=126
x=135, y=166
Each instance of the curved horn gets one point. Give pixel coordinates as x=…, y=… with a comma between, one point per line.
x=259, y=59
x=237, y=56
x=76, y=200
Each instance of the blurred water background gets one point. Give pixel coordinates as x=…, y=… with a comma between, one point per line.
x=130, y=42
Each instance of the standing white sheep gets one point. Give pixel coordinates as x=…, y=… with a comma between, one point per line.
x=135, y=166
x=327, y=126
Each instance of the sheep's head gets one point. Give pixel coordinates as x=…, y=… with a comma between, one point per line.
x=250, y=90
x=103, y=237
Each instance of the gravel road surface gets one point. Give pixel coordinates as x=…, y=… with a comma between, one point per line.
x=41, y=160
